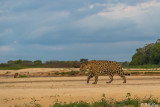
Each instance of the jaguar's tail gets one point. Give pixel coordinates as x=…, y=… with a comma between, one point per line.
x=126, y=73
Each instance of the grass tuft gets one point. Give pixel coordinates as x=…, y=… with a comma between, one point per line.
x=128, y=102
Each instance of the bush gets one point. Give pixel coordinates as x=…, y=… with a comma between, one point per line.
x=128, y=102
x=149, y=54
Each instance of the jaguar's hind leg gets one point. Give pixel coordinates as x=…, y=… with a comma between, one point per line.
x=124, y=78
x=96, y=79
x=111, y=78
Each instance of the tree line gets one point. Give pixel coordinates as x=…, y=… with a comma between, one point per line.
x=148, y=55
x=19, y=64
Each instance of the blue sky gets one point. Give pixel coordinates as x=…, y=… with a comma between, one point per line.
x=75, y=29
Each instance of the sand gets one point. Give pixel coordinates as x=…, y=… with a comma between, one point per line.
x=48, y=90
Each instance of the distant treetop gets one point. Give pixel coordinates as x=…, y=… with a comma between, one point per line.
x=149, y=54
x=158, y=41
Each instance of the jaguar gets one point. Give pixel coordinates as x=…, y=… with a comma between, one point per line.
x=95, y=67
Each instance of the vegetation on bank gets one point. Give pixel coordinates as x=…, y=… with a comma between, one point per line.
x=22, y=64
x=128, y=102
x=148, y=55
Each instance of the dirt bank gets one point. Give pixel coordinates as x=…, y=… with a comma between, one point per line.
x=48, y=90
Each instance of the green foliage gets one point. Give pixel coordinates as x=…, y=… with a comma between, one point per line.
x=149, y=54
x=62, y=64
x=150, y=101
x=23, y=76
x=74, y=73
x=74, y=104
x=83, y=60
x=128, y=102
x=21, y=64
x=38, y=62
x=34, y=102
x=71, y=73
x=18, y=61
x=102, y=103
x=124, y=64
x=12, y=67
x=144, y=66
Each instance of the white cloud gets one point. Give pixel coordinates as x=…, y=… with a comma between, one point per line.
x=119, y=11
x=91, y=6
x=94, y=30
x=5, y=49
x=142, y=17
x=98, y=5
x=33, y=23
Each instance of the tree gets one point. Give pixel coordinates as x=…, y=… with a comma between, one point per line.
x=18, y=61
x=38, y=62
x=83, y=60
x=149, y=54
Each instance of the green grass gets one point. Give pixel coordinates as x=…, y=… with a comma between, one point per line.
x=23, y=76
x=72, y=104
x=19, y=67
x=127, y=102
x=142, y=70
x=12, y=68
x=152, y=72
x=144, y=73
x=144, y=66
x=136, y=72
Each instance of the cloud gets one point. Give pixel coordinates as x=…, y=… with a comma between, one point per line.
x=123, y=11
x=124, y=21
x=120, y=10
x=98, y=5
x=6, y=49
x=111, y=29
x=29, y=24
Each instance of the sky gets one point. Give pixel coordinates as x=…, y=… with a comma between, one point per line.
x=74, y=29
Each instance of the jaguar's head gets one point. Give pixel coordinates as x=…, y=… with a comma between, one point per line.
x=84, y=66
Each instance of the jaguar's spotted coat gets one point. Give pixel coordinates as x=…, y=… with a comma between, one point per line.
x=108, y=67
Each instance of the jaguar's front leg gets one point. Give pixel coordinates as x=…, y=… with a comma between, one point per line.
x=89, y=77
x=111, y=78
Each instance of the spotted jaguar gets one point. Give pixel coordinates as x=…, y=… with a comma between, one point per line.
x=109, y=67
